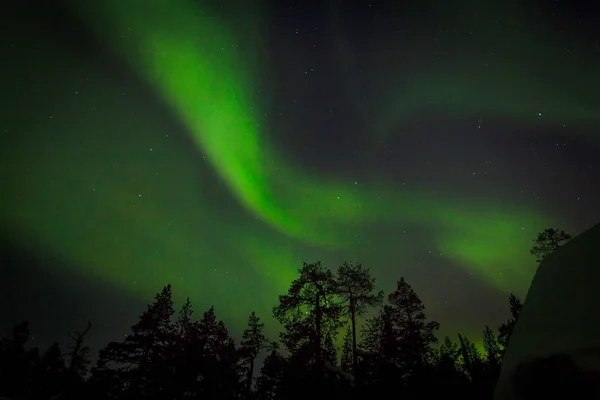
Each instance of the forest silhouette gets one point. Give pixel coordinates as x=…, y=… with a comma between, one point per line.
x=390, y=348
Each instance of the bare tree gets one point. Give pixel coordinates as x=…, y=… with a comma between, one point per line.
x=79, y=354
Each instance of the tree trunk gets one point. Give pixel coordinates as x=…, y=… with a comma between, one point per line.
x=250, y=375
x=75, y=356
x=318, y=331
x=353, y=321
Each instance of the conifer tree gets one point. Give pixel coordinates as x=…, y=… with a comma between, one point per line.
x=308, y=311
x=186, y=352
x=547, y=242
x=491, y=347
x=346, y=362
x=413, y=333
x=470, y=357
x=505, y=330
x=372, y=333
x=269, y=383
x=356, y=288
x=253, y=342
x=131, y=366
x=219, y=373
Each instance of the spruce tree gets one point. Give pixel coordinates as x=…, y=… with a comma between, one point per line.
x=413, y=334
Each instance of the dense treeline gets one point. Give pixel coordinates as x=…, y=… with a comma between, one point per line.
x=389, y=346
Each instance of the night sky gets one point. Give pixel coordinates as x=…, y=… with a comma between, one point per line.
x=218, y=145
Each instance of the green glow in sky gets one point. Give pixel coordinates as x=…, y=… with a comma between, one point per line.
x=137, y=237
x=193, y=62
x=514, y=66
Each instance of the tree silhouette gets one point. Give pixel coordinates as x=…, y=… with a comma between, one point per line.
x=355, y=286
x=449, y=352
x=269, y=383
x=548, y=241
x=505, y=330
x=128, y=367
x=307, y=311
x=490, y=365
x=346, y=362
x=253, y=342
x=413, y=333
x=204, y=359
x=448, y=374
x=78, y=364
x=186, y=354
x=470, y=358
x=219, y=375
x=185, y=358
x=493, y=354
x=373, y=333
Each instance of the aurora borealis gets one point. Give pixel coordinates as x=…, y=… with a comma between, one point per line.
x=216, y=148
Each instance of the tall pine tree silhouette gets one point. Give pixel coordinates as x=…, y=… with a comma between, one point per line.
x=134, y=367
x=219, y=376
x=307, y=311
x=356, y=288
x=346, y=362
x=413, y=333
x=253, y=342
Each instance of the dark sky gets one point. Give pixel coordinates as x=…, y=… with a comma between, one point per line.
x=217, y=147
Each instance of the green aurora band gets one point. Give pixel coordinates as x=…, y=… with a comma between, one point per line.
x=529, y=71
x=198, y=67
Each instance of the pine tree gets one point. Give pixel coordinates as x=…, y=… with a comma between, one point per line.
x=492, y=362
x=269, y=383
x=378, y=371
x=219, y=374
x=186, y=353
x=253, y=342
x=307, y=312
x=450, y=379
x=547, y=242
x=356, y=286
x=470, y=357
x=413, y=334
x=491, y=347
x=372, y=333
x=448, y=355
x=346, y=362
x=184, y=324
x=134, y=366
x=329, y=348
x=506, y=329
